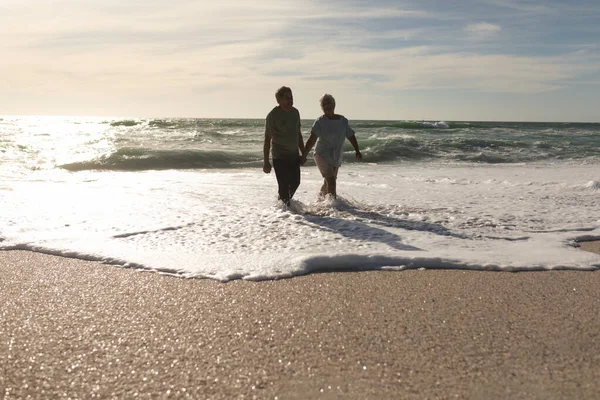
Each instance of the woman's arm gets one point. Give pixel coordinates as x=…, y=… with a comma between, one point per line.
x=309, y=145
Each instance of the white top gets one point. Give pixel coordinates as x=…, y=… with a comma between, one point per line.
x=331, y=133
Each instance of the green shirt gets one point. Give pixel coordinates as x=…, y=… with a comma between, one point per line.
x=283, y=127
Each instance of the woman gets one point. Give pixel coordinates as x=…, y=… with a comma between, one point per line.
x=331, y=130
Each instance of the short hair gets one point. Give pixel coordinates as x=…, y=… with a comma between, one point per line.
x=327, y=98
x=281, y=91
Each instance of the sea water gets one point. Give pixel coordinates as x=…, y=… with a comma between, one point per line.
x=188, y=197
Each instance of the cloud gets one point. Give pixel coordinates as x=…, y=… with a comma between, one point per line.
x=225, y=50
x=482, y=30
x=179, y=47
x=521, y=6
x=419, y=69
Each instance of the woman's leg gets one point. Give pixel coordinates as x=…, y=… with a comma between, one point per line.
x=323, y=190
x=331, y=186
x=329, y=174
x=331, y=181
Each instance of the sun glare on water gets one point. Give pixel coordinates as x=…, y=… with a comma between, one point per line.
x=46, y=142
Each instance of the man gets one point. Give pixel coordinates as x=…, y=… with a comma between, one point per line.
x=282, y=130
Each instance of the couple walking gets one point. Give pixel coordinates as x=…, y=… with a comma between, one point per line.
x=283, y=138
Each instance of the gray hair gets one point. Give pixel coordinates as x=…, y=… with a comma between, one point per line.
x=327, y=98
x=281, y=91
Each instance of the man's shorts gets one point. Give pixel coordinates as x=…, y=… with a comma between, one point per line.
x=327, y=170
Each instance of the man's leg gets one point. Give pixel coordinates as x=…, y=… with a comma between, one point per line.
x=283, y=181
x=294, y=177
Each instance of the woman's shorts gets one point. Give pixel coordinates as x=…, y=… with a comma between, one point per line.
x=327, y=170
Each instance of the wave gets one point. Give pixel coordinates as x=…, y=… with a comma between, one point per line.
x=409, y=124
x=392, y=149
x=133, y=159
x=205, y=123
x=592, y=185
x=374, y=150
x=185, y=123
x=162, y=123
x=163, y=143
x=530, y=127
x=456, y=148
x=126, y=122
x=190, y=123
x=486, y=158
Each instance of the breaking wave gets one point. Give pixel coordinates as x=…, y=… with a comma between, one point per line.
x=129, y=159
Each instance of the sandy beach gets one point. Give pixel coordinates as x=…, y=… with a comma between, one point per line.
x=77, y=329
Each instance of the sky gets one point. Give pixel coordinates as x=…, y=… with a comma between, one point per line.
x=499, y=60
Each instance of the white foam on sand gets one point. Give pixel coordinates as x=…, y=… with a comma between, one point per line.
x=227, y=224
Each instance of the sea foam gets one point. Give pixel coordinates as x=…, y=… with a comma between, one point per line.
x=227, y=224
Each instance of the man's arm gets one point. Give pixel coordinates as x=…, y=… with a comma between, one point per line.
x=354, y=143
x=300, y=142
x=266, y=151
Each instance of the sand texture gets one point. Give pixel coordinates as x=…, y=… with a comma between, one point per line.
x=76, y=329
x=593, y=246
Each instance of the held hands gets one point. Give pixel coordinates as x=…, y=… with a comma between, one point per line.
x=303, y=159
x=266, y=167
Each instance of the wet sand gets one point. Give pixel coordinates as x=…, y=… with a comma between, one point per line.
x=78, y=329
x=593, y=246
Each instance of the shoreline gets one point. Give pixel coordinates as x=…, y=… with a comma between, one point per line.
x=81, y=329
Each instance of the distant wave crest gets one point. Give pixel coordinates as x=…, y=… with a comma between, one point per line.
x=409, y=124
x=129, y=159
x=189, y=123
x=126, y=122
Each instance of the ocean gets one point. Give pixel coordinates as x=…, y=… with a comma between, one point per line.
x=188, y=197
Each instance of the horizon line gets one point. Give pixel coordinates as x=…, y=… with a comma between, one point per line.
x=306, y=119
